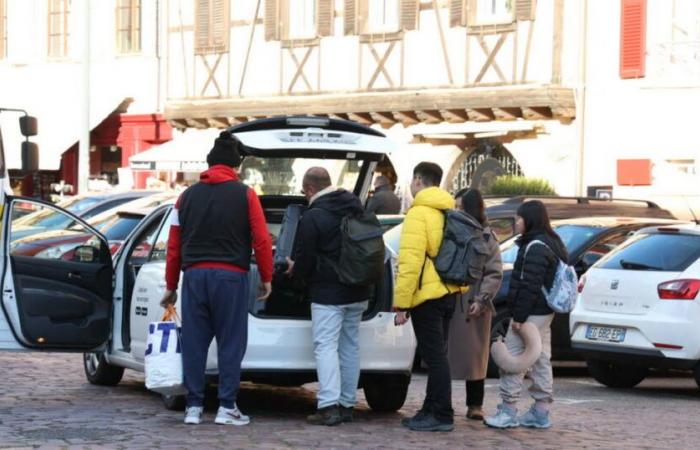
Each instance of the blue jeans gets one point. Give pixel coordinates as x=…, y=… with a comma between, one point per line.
x=214, y=304
x=336, y=332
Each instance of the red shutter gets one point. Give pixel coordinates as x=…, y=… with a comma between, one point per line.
x=633, y=24
x=634, y=172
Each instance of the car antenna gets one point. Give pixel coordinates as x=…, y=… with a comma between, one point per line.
x=695, y=218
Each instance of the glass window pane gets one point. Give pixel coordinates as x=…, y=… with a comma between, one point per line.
x=662, y=252
x=161, y=245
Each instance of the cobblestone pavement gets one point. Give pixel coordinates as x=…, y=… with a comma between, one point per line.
x=46, y=402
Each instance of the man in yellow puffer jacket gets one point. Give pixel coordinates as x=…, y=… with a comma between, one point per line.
x=421, y=293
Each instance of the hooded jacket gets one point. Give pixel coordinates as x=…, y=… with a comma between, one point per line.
x=421, y=237
x=531, y=272
x=317, y=248
x=216, y=224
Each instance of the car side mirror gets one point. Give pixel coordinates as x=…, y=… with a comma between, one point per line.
x=28, y=126
x=86, y=254
x=590, y=258
x=30, y=156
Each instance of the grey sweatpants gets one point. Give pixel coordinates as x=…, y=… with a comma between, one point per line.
x=540, y=372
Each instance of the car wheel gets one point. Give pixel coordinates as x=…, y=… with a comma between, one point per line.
x=386, y=393
x=99, y=371
x=696, y=372
x=174, y=402
x=499, y=328
x=616, y=375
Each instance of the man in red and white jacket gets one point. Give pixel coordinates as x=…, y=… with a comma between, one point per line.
x=216, y=225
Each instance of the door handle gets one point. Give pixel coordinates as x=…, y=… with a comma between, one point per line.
x=74, y=276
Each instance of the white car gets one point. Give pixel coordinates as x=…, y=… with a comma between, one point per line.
x=639, y=307
x=103, y=307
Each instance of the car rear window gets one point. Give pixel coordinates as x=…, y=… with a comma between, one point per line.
x=664, y=252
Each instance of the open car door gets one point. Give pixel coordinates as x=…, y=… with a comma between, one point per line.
x=56, y=283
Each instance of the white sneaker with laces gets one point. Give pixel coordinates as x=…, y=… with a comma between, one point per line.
x=193, y=415
x=232, y=416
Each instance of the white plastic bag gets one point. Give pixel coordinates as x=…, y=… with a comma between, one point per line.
x=163, y=359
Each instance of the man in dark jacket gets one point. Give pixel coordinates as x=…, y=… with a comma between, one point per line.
x=336, y=309
x=214, y=227
x=384, y=201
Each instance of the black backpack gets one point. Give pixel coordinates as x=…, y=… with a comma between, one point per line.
x=361, y=260
x=463, y=251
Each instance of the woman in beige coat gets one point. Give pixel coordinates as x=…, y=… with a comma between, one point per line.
x=470, y=327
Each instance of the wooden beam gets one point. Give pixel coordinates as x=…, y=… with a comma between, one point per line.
x=406, y=118
x=454, y=115
x=219, y=122
x=339, y=116
x=197, y=123
x=557, y=40
x=480, y=115
x=507, y=113
x=430, y=116
x=537, y=113
x=383, y=118
x=180, y=124
x=365, y=102
x=363, y=118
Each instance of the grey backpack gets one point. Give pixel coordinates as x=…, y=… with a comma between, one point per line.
x=463, y=251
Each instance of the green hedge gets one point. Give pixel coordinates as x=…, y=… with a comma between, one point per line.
x=512, y=185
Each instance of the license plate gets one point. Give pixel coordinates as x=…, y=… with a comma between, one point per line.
x=607, y=334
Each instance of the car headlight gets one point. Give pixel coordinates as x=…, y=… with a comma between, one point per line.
x=56, y=252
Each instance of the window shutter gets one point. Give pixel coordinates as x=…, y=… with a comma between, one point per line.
x=457, y=9
x=324, y=14
x=272, y=20
x=350, y=17
x=632, y=38
x=211, y=27
x=409, y=14
x=525, y=9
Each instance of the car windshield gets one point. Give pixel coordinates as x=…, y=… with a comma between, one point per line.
x=283, y=176
x=48, y=218
x=573, y=236
x=664, y=252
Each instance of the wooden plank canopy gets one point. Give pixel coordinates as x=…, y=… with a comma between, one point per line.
x=385, y=107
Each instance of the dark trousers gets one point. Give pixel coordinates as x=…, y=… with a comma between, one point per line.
x=214, y=304
x=475, y=393
x=431, y=323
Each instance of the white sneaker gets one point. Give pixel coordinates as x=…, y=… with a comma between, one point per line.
x=231, y=416
x=193, y=415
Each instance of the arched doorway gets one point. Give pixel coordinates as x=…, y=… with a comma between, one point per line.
x=488, y=160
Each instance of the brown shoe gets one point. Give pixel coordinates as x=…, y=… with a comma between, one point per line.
x=475, y=413
x=328, y=416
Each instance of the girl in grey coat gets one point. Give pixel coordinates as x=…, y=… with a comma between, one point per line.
x=470, y=327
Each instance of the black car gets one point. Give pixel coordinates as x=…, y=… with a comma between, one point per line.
x=587, y=240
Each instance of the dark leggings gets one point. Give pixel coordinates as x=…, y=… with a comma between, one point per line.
x=475, y=393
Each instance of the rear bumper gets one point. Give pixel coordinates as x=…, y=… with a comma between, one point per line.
x=640, y=357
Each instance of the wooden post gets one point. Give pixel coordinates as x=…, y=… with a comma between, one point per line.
x=445, y=54
x=250, y=44
x=557, y=41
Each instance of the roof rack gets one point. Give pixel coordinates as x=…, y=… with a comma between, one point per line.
x=518, y=199
x=295, y=122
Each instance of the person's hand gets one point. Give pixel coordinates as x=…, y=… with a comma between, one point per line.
x=265, y=291
x=475, y=309
x=290, y=267
x=516, y=326
x=401, y=318
x=169, y=298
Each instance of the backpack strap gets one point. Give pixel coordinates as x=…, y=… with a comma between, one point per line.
x=527, y=249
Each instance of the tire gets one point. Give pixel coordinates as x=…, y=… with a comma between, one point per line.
x=98, y=371
x=616, y=375
x=386, y=393
x=696, y=373
x=499, y=327
x=174, y=402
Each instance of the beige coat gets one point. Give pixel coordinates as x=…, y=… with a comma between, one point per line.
x=470, y=337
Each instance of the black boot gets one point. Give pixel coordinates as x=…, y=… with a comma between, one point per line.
x=327, y=416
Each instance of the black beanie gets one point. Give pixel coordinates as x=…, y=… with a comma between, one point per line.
x=226, y=151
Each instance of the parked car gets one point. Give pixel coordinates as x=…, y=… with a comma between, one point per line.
x=639, y=307
x=84, y=206
x=102, y=305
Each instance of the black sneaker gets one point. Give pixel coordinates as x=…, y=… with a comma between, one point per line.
x=346, y=414
x=430, y=423
x=328, y=416
x=420, y=415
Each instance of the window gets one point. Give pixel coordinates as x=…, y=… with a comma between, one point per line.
x=160, y=247
x=661, y=252
x=3, y=29
x=211, y=27
x=128, y=26
x=58, y=28
x=302, y=19
x=382, y=16
x=494, y=11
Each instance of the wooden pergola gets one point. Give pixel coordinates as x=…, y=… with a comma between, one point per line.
x=386, y=108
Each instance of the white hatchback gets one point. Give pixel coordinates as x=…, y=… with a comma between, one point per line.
x=639, y=307
x=99, y=305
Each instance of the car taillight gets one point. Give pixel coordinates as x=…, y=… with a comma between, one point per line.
x=581, y=284
x=679, y=290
